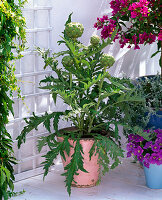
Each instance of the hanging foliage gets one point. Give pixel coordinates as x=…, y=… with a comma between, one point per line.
x=12, y=29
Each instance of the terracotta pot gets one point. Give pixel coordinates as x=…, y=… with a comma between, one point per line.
x=84, y=179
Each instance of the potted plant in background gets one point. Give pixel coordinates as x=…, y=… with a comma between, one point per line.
x=150, y=154
x=139, y=23
x=12, y=26
x=146, y=115
x=151, y=88
x=89, y=91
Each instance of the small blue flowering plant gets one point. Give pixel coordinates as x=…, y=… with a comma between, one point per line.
x=147, y=152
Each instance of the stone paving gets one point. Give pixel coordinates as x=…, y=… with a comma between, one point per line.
x=126, y=182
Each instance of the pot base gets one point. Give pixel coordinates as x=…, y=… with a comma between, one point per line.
x=84, y=186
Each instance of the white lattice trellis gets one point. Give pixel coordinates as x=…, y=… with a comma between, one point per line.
x=29, y=71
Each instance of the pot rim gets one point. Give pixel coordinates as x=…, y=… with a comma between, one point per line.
x=72, y=128
x=84, y=139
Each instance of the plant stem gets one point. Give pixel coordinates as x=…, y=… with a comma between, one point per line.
x=70, y=79
x=82, y=122
x=98, y=103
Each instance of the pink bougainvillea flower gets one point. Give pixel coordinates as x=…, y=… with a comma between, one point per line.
x=108, y=29
x=138, y=22
x=118, y=6
x=139, y=8
x=160, y=35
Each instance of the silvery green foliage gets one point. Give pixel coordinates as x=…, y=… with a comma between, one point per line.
x=150, y=88
x=93, y=97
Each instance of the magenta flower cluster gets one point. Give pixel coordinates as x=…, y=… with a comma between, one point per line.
x=160, y=35
x=107, y=26
x=144, y=22
x=137, y=40
x=118, y=6
x=147, y=152
x=139, y=8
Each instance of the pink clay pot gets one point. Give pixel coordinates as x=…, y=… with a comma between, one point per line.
x=84, y=179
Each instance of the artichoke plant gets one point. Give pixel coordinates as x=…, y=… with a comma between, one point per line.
x=93, y=99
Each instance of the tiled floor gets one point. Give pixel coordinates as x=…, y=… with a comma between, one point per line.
x=126, y=182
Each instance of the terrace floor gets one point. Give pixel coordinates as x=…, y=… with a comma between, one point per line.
x=126, y=182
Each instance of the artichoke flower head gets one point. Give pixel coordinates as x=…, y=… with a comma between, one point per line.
x=67, y=61
x=106, y=60
x=74, y=30
x=95, y=40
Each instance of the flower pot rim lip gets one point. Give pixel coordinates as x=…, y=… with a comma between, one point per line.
x=152, y=164
x=145, y=76
x=81, y=139
x=67, y=128
x=73, y=128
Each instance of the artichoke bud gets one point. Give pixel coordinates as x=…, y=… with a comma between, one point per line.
x=74, y=30
x=67, y=61
x=95, y=40
x=107, y=60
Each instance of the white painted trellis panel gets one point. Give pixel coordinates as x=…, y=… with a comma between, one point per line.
x=29, y=71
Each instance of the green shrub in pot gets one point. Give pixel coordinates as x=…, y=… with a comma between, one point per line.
x=147, y=114
x=85, y=85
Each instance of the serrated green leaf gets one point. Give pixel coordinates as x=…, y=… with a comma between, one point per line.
x=69, y=19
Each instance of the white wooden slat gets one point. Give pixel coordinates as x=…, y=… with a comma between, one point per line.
x=38, y=30
x=38, y=8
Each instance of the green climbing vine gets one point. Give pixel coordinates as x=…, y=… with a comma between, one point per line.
x=12, y=24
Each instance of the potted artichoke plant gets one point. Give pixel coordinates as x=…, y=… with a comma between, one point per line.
x=139, y=24
x=90, y=92
x=150, y=154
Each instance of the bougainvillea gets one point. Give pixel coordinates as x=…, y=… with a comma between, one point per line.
x=139, y=22
x=147, y=152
